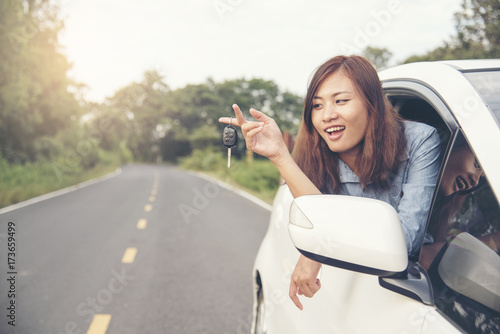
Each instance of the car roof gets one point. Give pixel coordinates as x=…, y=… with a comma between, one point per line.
x=432, y=71
x=473, y=64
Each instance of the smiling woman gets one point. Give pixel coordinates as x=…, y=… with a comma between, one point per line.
x=339, y=117
x=351, y=142
x=351, y=96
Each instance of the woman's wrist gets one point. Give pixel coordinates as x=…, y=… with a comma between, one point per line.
x=298, y=182
x=281, y=159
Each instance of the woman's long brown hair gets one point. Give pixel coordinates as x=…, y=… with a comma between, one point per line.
x=383, y=145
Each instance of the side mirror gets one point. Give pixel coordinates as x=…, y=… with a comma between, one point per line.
x=472, y=269
x=359, y=234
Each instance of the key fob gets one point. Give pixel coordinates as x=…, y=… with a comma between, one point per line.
x=230, y=136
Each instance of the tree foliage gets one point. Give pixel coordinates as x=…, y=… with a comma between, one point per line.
x=477, y=34
x=379, y=57
x=35, y=103
x=161, y=124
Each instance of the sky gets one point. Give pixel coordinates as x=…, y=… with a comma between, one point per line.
x=111, y=43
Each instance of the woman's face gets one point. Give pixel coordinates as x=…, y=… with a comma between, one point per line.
x=462, y=172
x=340, y=116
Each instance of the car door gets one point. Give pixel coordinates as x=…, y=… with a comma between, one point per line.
x=460, y=252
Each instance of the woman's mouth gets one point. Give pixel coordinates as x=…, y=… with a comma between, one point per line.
x=335, y=132
x=461, y=183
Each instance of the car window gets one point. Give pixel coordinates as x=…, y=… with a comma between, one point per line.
x=417, y=109
x=461, y=249
x=487, y=84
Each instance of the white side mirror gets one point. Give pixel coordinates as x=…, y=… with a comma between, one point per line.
x=354, y=233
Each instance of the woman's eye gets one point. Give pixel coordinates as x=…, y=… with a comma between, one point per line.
x=341, y=101
x=316, y=106
x=476, y=164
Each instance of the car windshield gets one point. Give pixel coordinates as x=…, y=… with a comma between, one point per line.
x=487, y=84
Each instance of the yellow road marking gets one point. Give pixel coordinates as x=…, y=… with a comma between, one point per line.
x=148, y=208
x=141, y=224
x=99, y=324
x=152, y=198
x=129, y=255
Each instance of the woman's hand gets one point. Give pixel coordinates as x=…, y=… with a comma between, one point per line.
x=304, y=280
x=263, y=137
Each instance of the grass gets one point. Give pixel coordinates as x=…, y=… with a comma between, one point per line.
x=21, y=182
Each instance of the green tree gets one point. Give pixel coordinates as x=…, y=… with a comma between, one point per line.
x=478, y=24
x=154, y=122
x=35, y=102
x=195, y=109
x=379, y=57
x=477, y=34
x=132, y=116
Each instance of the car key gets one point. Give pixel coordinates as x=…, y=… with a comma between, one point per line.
x=230, y=139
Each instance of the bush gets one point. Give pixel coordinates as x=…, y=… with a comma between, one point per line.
x=260, y=177
x=204, y=160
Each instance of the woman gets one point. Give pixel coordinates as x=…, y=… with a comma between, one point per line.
x=351, y=142
x=462, y=176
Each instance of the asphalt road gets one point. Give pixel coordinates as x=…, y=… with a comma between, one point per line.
x=150, y=250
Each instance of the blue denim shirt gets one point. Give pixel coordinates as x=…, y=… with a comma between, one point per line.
x=413, y=185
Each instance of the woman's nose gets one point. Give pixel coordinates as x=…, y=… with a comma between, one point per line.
x=474, y=178
x=330, y=113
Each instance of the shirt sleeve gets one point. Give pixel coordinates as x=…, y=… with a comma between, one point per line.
x=418, y=186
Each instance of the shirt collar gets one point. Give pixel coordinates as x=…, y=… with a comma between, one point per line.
x=346, y=174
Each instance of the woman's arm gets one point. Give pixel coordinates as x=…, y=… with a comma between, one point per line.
x=264, y=137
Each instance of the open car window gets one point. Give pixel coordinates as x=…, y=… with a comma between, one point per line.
x=420, y=104
x=461, y=251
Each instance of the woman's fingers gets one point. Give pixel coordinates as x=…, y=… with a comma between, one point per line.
x=240, y=119
x=239, y=115
x=294, y=290
x=308, y=289
x=259, y=115
x=252, y=128
x=304, y=280
x=305, y=289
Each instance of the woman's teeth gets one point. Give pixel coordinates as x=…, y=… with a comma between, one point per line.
x=462, y=185
x=335, y=128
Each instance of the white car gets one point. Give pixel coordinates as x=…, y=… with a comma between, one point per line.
x=368, y=283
